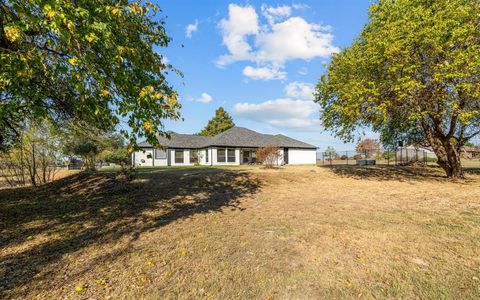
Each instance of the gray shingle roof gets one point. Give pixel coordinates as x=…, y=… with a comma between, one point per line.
x=233, y=137
x=178, y=140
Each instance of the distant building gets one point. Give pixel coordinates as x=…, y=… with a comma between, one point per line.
x=413, y=153
x=470, y=152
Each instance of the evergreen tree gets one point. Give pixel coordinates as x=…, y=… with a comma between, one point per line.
x=219, y=123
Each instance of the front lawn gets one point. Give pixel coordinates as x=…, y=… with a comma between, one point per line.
x=239, y=233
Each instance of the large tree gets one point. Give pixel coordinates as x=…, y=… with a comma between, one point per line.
x=90, y=61
x=412, y=74
x=218, y=124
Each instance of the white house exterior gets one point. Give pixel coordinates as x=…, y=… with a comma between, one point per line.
x=235, y=146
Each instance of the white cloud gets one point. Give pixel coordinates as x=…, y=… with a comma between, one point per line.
x=242, y=21
x=282, y=38
x=191, y=28
x=300, y=6
x=282, y=113
x=264, y=73
x=273, y=14
x=299, y=90
x=204, y=98
x=303, y=71
x=295, y=38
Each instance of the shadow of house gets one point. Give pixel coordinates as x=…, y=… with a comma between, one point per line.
x=94, y=209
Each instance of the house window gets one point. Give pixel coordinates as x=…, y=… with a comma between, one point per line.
x=193, y=156
x=221, y=155
x=231, y=155
x=179, y=156
x=160, y=154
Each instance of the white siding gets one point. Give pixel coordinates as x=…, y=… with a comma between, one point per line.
x=295, y=157
x=302, y=156
x=280, y=160
x=203, y=156
x=140, y=158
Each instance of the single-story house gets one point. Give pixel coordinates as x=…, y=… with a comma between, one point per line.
x=234, y=146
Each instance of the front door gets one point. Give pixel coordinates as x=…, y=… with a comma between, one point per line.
x=285, y=156
x=246, y=156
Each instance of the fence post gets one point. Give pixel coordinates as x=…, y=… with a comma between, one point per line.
x=396, y=157
x=346, y=154
x=330, y=157
x=323, y=158
x=388, y=158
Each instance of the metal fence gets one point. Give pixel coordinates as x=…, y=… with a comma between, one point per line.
x=403, y=156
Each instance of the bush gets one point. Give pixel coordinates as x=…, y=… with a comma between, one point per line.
x=122, y=157
x=268, y=155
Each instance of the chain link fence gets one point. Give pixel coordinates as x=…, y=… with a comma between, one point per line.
x=403, y=156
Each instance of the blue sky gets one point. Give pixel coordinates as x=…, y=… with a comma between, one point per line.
x=259, y=60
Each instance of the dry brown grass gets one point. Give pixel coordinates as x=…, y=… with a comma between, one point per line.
x=236, y=233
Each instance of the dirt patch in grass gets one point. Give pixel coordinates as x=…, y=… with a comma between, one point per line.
x=294, y=232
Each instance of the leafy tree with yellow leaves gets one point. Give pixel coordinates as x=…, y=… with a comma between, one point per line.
x=412, y=74
x=87, y=61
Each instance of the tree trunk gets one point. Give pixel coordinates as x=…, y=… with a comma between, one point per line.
x=448, y=157
x=33, y=173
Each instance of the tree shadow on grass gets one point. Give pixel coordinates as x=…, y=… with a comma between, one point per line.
x=40, y=226
x=390, y=173
x=475, y=171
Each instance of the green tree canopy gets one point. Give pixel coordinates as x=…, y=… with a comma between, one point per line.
x=413, y=73
x=91, y=144
x=90, y=61
x=218, y=124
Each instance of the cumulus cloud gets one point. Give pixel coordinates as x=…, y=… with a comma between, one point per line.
x=264, y=73
x=204, y=98
x=273, y=14
x=282, y=38
x=300, y=90
x=242, y=21
x=282, y=113
x=191, y=28
x=295, y=38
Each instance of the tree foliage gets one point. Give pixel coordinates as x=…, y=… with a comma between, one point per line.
x=92, y=61
x=35, y=159
x=218, y=124
x=330, y=153
x=268, y=155
x=412, y=74
x=92, y=144
x=369, y=147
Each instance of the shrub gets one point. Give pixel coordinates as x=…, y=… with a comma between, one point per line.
x=268, y=155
